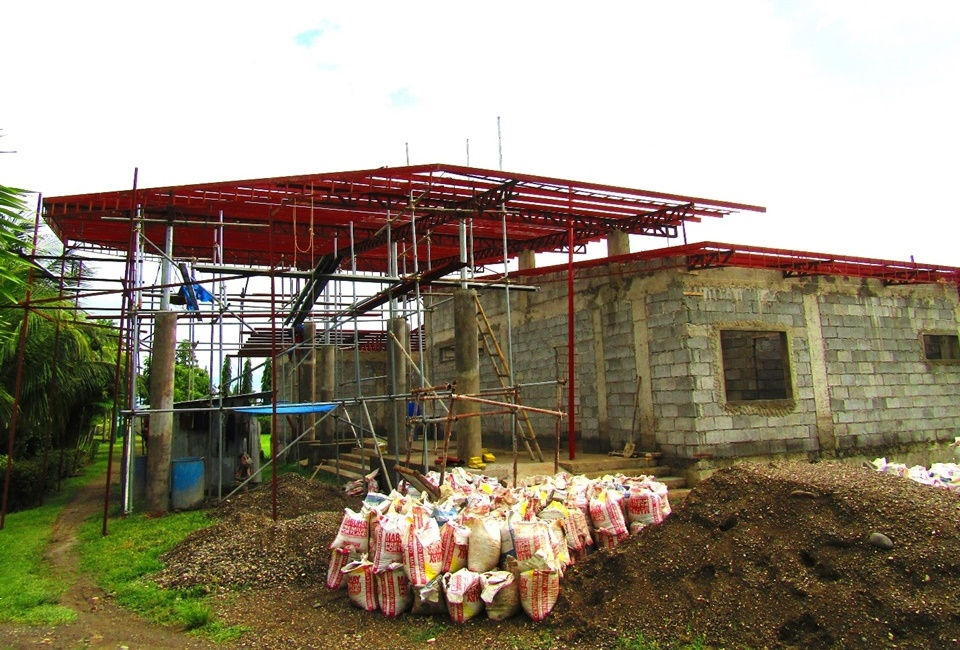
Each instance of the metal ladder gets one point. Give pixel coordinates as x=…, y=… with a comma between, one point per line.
x=502, y=369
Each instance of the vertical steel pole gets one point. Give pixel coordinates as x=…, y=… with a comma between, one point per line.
x=273, y=377
x=356, y=322
x=133, y=362
x=506, y=299
x=166, y=268
x=18, y=382
x=463, y=254
x=124, y=306
x=219, y=255
x=570, y=358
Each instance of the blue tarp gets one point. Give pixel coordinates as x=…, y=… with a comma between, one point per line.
x=288, y=408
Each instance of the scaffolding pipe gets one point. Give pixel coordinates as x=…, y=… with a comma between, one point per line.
x=570, y=357
x=124, y=305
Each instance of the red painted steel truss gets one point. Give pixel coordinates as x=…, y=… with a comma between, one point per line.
x=302, y=218
x=705, y=255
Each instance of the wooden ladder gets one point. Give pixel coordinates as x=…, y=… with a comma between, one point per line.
x=502, y=369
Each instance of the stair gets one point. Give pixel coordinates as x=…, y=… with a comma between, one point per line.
x=354, y=464
x=646, y=464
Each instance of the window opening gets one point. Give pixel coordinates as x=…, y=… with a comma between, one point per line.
x=755, y=365
x=941, y=347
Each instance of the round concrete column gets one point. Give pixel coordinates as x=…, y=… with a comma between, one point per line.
x=159, y=441
x=467, y=359
x=398, y=371
x=326, y=369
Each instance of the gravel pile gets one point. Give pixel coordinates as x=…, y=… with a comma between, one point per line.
x=296, y=496
x=248, y=549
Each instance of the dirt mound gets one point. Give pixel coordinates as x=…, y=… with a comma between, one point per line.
x=296, y=496
x=779, y=555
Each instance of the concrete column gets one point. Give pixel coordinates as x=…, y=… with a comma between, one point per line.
x=618, y=243
x=467, y=358
x=326, y=367
x=397, y=368
x=818, y=371
x=600, y=368
x=648, y=423
x=526, y=260
x=252, y=427
x=160, y=440
x=307, y=379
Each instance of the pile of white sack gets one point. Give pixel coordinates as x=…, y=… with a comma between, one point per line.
x=939, y=475
x=483, y=546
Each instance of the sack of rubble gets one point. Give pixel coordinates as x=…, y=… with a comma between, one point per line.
x=423, y=553
x=455, y=541
x=483, y=550
x=539, y=589
x=429, y=600
x=609, y=538
x=661, y=491
x=606, y=512
x=644, y=507
x=353, y=532
x=532, y=545
x=339, y=558
x=388, y=539
x=393, y=590
x=500, y=594
x=579, y=537
x=360, y=584
x=463, y=595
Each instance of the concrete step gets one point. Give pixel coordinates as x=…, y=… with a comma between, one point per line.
x=677, y=495
x=349, y=465
x=609, y=465
x=345, y=474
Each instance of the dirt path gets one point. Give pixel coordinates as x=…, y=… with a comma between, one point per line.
x=100, y=622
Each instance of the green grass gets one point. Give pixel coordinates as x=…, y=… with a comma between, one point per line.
x=28, y=592
x=265, y=444
x=433, y=630
x=638, y=641
x=121, y=563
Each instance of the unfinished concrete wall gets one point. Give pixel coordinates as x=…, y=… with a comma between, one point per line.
x=882, y=388
x=841, y=360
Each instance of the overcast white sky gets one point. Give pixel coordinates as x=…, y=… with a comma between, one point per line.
x=840, y=117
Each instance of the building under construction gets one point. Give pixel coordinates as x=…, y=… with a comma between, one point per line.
x=406, y=303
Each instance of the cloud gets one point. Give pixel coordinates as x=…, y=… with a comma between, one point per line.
x=308, y=38
x=403, y=98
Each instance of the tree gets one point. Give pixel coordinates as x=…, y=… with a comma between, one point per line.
x=266, y=381
x=68, y=361
x=226, y=377
x=190, y=381
x=246, y=379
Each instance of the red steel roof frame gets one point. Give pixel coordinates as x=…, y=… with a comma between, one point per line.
x=309, y=216
x=704, y=255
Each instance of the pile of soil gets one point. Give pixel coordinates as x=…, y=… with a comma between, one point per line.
x=781, y=555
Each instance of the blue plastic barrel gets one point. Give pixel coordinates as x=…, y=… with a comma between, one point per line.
x=187, y=482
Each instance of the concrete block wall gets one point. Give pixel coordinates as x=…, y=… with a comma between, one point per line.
x=858, y=378
x=883, y=390
x=723, y=299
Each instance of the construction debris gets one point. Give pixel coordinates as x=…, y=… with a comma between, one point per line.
x=453, y=545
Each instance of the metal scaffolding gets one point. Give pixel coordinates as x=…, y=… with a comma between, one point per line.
x=353, y=253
